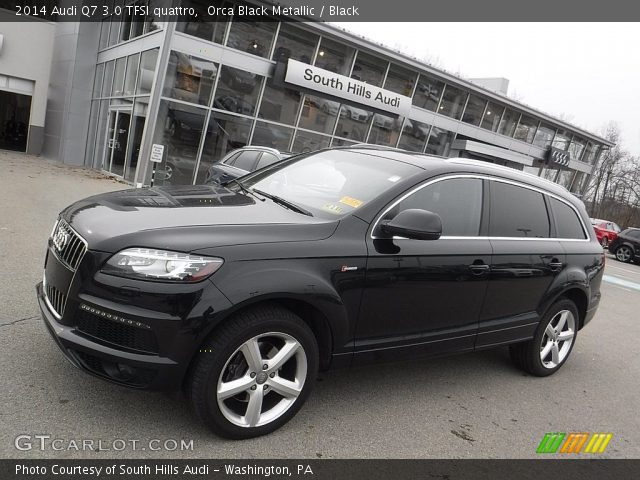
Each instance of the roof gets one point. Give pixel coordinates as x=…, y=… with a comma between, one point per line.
x=462, y=165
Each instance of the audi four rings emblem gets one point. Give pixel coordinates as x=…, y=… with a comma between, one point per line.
x=560, y=158
x=60, y=240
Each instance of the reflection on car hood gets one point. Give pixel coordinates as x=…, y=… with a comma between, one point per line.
x=187, y=218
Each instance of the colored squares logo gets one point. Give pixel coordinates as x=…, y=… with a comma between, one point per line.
x=561, y=442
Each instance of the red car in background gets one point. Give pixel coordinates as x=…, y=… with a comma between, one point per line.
x=606, y=231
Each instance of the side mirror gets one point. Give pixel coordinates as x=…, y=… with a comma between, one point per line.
x=414, y=223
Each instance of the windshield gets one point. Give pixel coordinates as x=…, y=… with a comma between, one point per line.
x=331, y=183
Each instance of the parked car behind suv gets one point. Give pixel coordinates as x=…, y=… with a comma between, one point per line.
x=606, y=231
x=626, y=247
x=244, y=160
x=240, y=294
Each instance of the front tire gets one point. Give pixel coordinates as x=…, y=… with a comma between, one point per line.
x=553, y=342
x=254, y=373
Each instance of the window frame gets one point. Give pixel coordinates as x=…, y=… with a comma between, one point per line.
x=484, y=234
x=555, y=220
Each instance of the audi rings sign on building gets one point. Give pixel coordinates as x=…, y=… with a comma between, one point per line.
x=558, y=157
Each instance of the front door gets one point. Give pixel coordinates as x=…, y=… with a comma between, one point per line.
x=425, y=296
x=117, y=141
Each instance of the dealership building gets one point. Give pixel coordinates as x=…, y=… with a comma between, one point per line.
x=119, y=89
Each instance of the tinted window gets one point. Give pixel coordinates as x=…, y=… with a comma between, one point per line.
x=232, y=158
x=246, y=160
x=458, y=202
x=567, y=222
x=517, y=212
x=267, y=159
x=635, y=234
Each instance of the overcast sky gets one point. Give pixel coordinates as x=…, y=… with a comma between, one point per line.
x=587, y=72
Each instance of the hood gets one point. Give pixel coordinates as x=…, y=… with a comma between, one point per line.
x=187, y=218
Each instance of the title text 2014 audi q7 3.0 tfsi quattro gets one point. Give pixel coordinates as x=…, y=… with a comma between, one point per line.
x=239, y=294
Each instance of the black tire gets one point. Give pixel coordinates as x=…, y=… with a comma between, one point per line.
x=219, y=349
x=623, y=258
x=526, y=355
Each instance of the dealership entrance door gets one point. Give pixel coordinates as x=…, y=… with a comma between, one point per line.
x=117, y=140
x=15, y=111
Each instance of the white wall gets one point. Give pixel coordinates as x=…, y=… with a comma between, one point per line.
x=26, y=53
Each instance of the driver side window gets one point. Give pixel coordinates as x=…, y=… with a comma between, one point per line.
x=458, y=201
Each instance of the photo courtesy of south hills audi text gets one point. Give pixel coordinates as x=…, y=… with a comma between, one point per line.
x=242, y=238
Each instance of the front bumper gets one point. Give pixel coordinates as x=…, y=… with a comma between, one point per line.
x=115, y=365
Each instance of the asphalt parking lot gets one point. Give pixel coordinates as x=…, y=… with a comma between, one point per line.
x=468, y=406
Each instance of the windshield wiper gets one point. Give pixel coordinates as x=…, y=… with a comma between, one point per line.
x=242, y=188
x=284, y=203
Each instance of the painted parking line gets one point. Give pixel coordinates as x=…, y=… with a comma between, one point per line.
x=621, y=282
x=615, y=267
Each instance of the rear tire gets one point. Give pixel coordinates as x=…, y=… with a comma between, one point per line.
x=552, y=343
x=624, y=254
x=231, y=390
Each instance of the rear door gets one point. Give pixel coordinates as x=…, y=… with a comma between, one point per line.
x=525, y=261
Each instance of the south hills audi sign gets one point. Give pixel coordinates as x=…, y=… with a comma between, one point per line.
x=341, y=86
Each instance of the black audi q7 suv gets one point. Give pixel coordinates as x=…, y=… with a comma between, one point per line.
x=239, y=294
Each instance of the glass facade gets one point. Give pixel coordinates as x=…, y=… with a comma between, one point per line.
x=207, y=108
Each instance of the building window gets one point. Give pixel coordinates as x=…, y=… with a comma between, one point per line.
x=565, y=177
x=385, y=130
x=353, y=122
x=178, y=128
x=309, y=142
x=440, y=141
x=414, y=135
x=400, y=80
x=452, y=102
x=576, y=147
x=131, y=75
x=296, y=43
x=335, y=57
x=97, y=81
x=146, y=72
x=369, y=69
x=428, y=93
x=562, y=140
x=279, y=104
x=199, y=26
x=544, y=136
x=189, y=78
x=237, y=90
x=341, y=142
x=591, y=153
x=224, y=133
x=526, y=129
x=492, y=116
x=252, y=37
x=474, y=111
x=117, y=89
x=508, y=123
x=318, y=114
x=271, y=135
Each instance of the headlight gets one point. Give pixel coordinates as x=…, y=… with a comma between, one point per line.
x=149, y=264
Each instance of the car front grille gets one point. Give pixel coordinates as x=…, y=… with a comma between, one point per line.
x=56, y=299
x=130, y=337
x=68, y=246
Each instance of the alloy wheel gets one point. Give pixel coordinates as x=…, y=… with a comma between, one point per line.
x=262, y=379
x=623, y=254
x=557, y=339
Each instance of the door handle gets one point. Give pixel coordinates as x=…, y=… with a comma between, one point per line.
x=555, y=265
x=479, y=268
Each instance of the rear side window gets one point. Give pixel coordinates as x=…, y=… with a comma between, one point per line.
x=458, y=201
x=635, y=234
x=568, y=224
x=267, y=159
x=246, y=160
x=231, y=159
x=517, y=212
